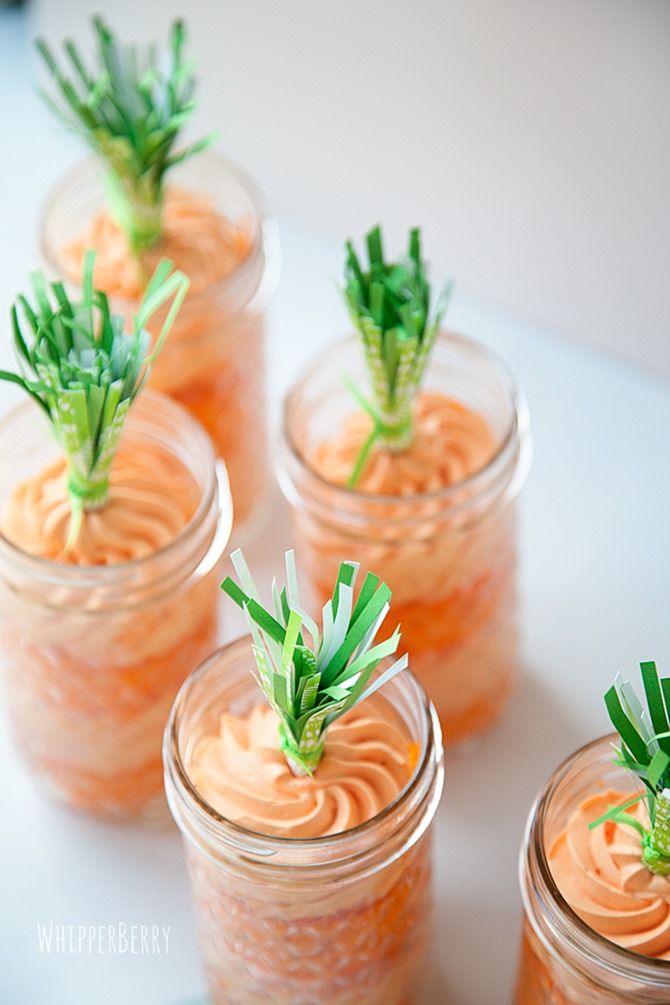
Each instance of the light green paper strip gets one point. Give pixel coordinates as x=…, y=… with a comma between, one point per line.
x=400, y=664
x=661, y=830
x=376, y=653
x=244, y=576
x=334, y=632
x=294, y=600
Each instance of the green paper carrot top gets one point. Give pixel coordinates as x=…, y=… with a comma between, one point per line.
x=311, y=677
x=84, y=370
x=130, y=110
x=390, y=305
x=645, y=752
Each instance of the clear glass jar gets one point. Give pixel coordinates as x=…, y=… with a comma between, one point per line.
x=94, y=655
x=339, y=920
x=449, y=556
x=563, y=960
x=213, y=360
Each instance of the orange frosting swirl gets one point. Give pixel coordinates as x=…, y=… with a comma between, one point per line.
x=244, y=776
x=451, y=443
x=152, y=497
x=601, y=875
x=196, y=239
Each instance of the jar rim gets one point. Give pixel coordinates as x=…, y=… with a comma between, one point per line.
x=263, y=242
x=266, y=846
x=517, y=431
x=49, y=570
x=594, y=947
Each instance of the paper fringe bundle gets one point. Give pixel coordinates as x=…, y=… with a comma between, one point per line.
x=310, y=686
x=130, y=111
x=390, y=307
x=645, y=753
x=84, y=371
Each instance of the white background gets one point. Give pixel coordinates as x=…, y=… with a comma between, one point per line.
x=529, y=138
x=595, y=573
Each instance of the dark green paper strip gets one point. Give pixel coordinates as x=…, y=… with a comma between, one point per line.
x=263, y=618
x=654, y=697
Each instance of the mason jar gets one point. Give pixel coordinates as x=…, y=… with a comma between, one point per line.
x=565, y=961
x=95, y=654
x=339, y=919
x=213, y=360
x=449, y=554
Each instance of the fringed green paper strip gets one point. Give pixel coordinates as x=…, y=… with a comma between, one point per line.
x=390, y=306
x=130, y=111
x=84, y=370
x=645, y=753
x=312, y=677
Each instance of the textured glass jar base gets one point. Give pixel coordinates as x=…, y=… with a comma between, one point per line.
x=94, y=655
x=539, y=983
x=546, y=978
x=153, y=812
x=371, y=949
x=213, y=361
x=100, y=753
x=340, y=919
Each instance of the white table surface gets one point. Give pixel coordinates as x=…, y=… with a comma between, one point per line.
x=595, y=585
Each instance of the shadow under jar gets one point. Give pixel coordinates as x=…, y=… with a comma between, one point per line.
x=94, y=654
x=448, y=552
x=564, y=960
x=217, y=232
x=339, y=919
